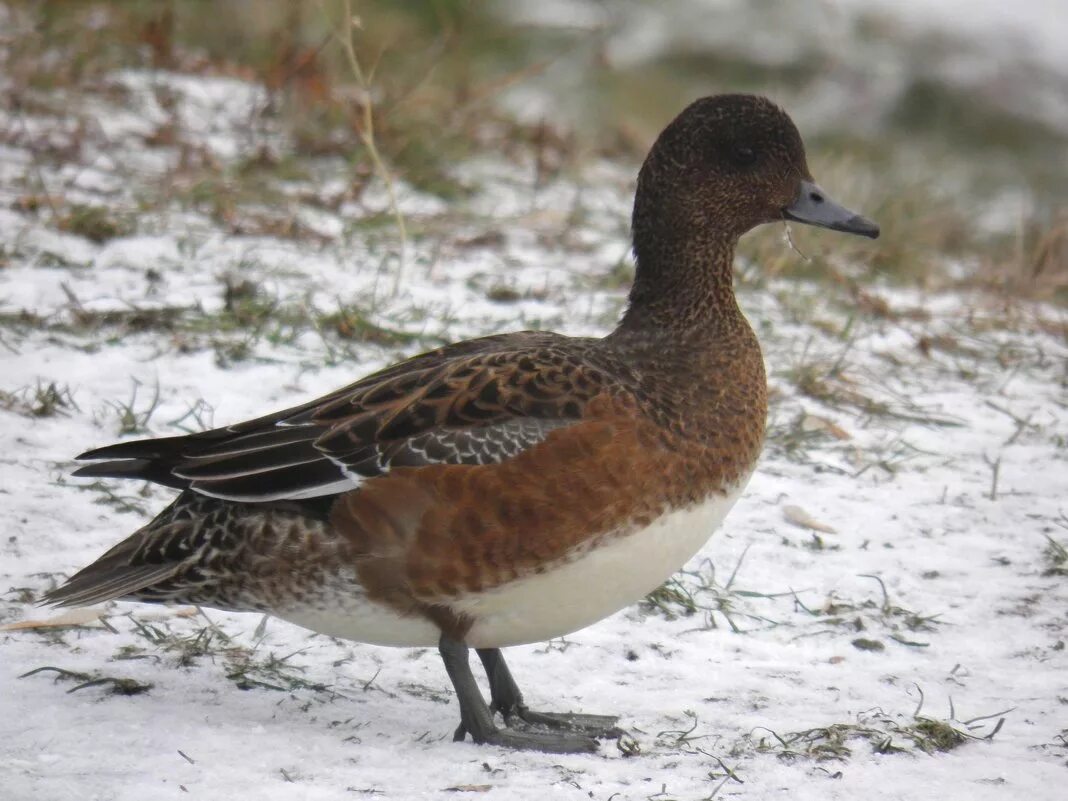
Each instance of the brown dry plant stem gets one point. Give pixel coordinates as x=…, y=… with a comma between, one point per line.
x=365, y=78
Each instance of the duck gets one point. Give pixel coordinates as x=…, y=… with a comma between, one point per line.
x=507, y=489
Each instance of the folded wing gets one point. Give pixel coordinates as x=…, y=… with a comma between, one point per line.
x=479, y=403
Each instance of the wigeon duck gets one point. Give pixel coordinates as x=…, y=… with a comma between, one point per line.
x=507, y=489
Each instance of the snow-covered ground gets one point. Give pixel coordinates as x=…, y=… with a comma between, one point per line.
x=895, y=572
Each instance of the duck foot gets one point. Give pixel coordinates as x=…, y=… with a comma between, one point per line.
x=507, y=699
x=476, y=718
x=530, y=740
x=601, y=727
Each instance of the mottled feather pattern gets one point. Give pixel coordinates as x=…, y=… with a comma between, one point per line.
x=204, y=551
x=472, y=407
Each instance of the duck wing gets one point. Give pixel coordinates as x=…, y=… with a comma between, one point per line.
x=478, y=402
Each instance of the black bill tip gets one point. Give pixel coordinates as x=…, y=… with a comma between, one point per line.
x=814, y=207
x=861, y=226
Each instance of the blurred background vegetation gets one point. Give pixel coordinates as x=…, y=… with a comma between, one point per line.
x=957, y=145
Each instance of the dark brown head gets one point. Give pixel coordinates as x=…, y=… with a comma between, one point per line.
x=727, y=164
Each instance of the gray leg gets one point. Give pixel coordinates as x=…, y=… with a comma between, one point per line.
x=476, y=718
x=507, y=699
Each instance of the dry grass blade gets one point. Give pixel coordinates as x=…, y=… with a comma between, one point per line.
x=118, y=685
x=364, y=79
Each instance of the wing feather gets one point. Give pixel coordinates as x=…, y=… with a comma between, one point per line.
x=479, y=402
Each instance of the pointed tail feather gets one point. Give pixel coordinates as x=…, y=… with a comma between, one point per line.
x=145, y=459
x=123, y=570
x=160, y=448
x=96, y=584
x=144, y=469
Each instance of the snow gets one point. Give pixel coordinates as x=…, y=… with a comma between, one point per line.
x=932, y=557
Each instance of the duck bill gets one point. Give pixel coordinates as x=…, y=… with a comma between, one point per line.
x=814, y=207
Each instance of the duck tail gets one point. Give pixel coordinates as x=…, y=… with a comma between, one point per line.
x=114, y=575
x=145, y=459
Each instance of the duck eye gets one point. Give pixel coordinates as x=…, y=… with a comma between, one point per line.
x=744, y=156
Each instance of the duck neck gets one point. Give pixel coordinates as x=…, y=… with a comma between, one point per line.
x=683, y=284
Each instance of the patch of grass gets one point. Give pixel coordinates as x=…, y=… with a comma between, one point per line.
x=249, y=670
x=121, y=502
x=804, y=433
x=134, y=416
x=249, y=317
x=1058, y=747
x=22, y=321
x=95, y=223
x=128, y=321
x=52, y=260
x=246, y=666
x=186, y=648
x=671, y=600
x=132, y=320
x=352, y=323
x=691, y=592
x=1056, y=556
x=422, y=691
x=882, y=732
x=116, y=685
x=828, y=380
x=44, y=400
x=51, y=399
x=900, y=624
x=683, y=737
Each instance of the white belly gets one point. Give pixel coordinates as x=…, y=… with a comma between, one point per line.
x=603, y=580
x=342, y=609
x=568, y=597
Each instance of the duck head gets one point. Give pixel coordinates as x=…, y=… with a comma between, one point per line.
x=725, y=165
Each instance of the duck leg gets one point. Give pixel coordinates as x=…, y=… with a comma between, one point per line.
x=476, y=718
x=507, y=699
